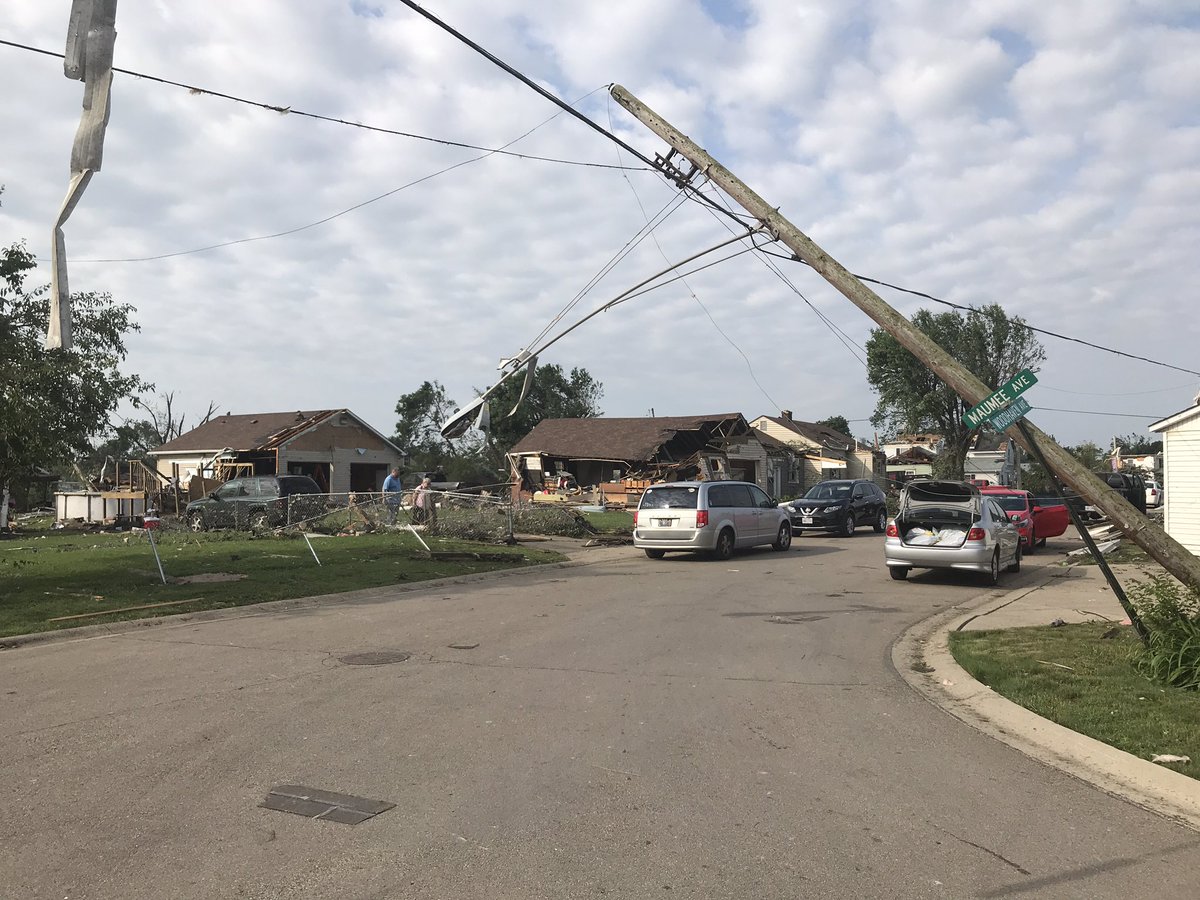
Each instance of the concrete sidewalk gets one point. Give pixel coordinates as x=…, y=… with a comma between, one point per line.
x=1073, y=594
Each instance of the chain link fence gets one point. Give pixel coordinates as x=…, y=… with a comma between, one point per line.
x=449, y=514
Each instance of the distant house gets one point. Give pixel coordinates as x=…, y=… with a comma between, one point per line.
x=994, y=459
x=912, y=462
x=1181, y=474
x=826, y=453
x=606, y=450
x=933, y=444
x=340, y=451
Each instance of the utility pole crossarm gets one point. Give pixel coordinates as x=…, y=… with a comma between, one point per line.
x=1174, y=557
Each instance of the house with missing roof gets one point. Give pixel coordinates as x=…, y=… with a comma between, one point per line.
x=607, y=453
x=336, y=448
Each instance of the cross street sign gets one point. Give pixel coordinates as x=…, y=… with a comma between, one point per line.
x=984, y=410
x=1010, y=414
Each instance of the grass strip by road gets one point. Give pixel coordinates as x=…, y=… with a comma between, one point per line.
x=43, y=578
x=611, y=521
x=1083, y=681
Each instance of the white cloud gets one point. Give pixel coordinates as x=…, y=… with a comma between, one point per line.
x=1039, y=155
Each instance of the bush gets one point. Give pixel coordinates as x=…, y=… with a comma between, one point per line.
x=1171, y=614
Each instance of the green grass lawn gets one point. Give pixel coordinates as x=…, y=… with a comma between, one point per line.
x=1100, y=695
x=614, y=521
x=62, y=574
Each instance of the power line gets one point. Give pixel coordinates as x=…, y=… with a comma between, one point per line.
x=528, y=82
x=291, y=111
x=1091, y=412
x=793, y=258
x=330, y=218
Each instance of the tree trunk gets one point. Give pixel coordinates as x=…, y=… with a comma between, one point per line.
x=4, y=496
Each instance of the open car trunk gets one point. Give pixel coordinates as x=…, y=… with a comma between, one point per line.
x=937, y=513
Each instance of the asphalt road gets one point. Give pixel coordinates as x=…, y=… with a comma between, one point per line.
x=627, y=729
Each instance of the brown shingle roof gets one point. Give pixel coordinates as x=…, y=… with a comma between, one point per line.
x=630, y=440
x=248, y=432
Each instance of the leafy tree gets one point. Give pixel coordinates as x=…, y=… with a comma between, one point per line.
x=553, y=395
x=53, y=402
x=914, y=399
x=1138, y=445
x=422, y=412
x=837, y=423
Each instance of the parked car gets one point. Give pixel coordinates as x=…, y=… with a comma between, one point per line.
x=1154, y=493
x=1035, y=522
x=950, y=525
x=257, y=502
x=714, y=517
x=839, y=506
x=1129, y=485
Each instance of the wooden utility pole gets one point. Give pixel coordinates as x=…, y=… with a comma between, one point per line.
x=1173, y=556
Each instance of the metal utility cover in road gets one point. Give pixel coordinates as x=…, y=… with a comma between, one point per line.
x=999, y=399
x=1010, y=414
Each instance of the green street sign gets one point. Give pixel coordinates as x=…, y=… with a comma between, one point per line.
x=1001, y=398
x=1010, y=414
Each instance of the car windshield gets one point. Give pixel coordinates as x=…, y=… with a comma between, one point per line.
x=1011, y=502
x=670, y=498
x=836, y=490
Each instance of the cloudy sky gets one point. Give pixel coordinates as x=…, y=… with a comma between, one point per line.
x=1045, y=156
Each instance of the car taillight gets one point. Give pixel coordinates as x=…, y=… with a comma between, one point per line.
x=976, y=534
x=701, y=518
x=635, y=512
x=892, y=530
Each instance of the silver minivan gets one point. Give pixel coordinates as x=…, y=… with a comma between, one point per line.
x=714, y=517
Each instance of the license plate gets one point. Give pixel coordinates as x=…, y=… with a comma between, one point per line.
x=806, y=520
x=664, y=523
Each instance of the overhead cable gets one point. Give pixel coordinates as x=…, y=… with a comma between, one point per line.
x=292, y=111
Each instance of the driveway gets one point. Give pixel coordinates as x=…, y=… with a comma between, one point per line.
x=626, y=728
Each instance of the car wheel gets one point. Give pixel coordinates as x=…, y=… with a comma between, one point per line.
x=993, y=576
x=881, y=522
x=1016, y=563
x=848, y=525
x=783, y=540
x=898, y=573
x=656, y=554
x=724, y=548
x=1041, y=542
x=1031, y=544
x=196, y=522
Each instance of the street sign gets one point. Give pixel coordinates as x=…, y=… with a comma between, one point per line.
x=984, y=410
x=1010, y=414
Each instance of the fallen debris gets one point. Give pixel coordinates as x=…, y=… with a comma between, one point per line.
x=1170, y=758
x=464, y=645
x=1045, y=662
x=110, y=612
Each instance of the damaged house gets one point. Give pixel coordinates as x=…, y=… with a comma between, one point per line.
x=825, y=453
x=610, y=453
x=336, y=448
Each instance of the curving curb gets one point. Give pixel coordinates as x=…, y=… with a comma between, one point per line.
x=921, y=656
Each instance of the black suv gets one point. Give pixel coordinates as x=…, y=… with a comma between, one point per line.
x=839, y=506
x=249, y=503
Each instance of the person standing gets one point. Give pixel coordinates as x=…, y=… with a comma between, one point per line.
x=392, y=494
x=423, y=502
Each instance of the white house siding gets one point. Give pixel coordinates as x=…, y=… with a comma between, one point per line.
x=749, y=450
x=1181, y=479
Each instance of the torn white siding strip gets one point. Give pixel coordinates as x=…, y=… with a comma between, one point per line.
x=91, y=36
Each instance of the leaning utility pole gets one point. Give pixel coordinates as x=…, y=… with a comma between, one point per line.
x=1174, y=557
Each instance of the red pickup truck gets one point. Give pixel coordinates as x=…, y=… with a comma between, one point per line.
x=1035, y=523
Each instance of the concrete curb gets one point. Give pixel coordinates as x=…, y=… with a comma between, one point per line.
x=921, y=656
x=366, y=595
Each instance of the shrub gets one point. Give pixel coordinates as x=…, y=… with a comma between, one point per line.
x=1171, y=614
